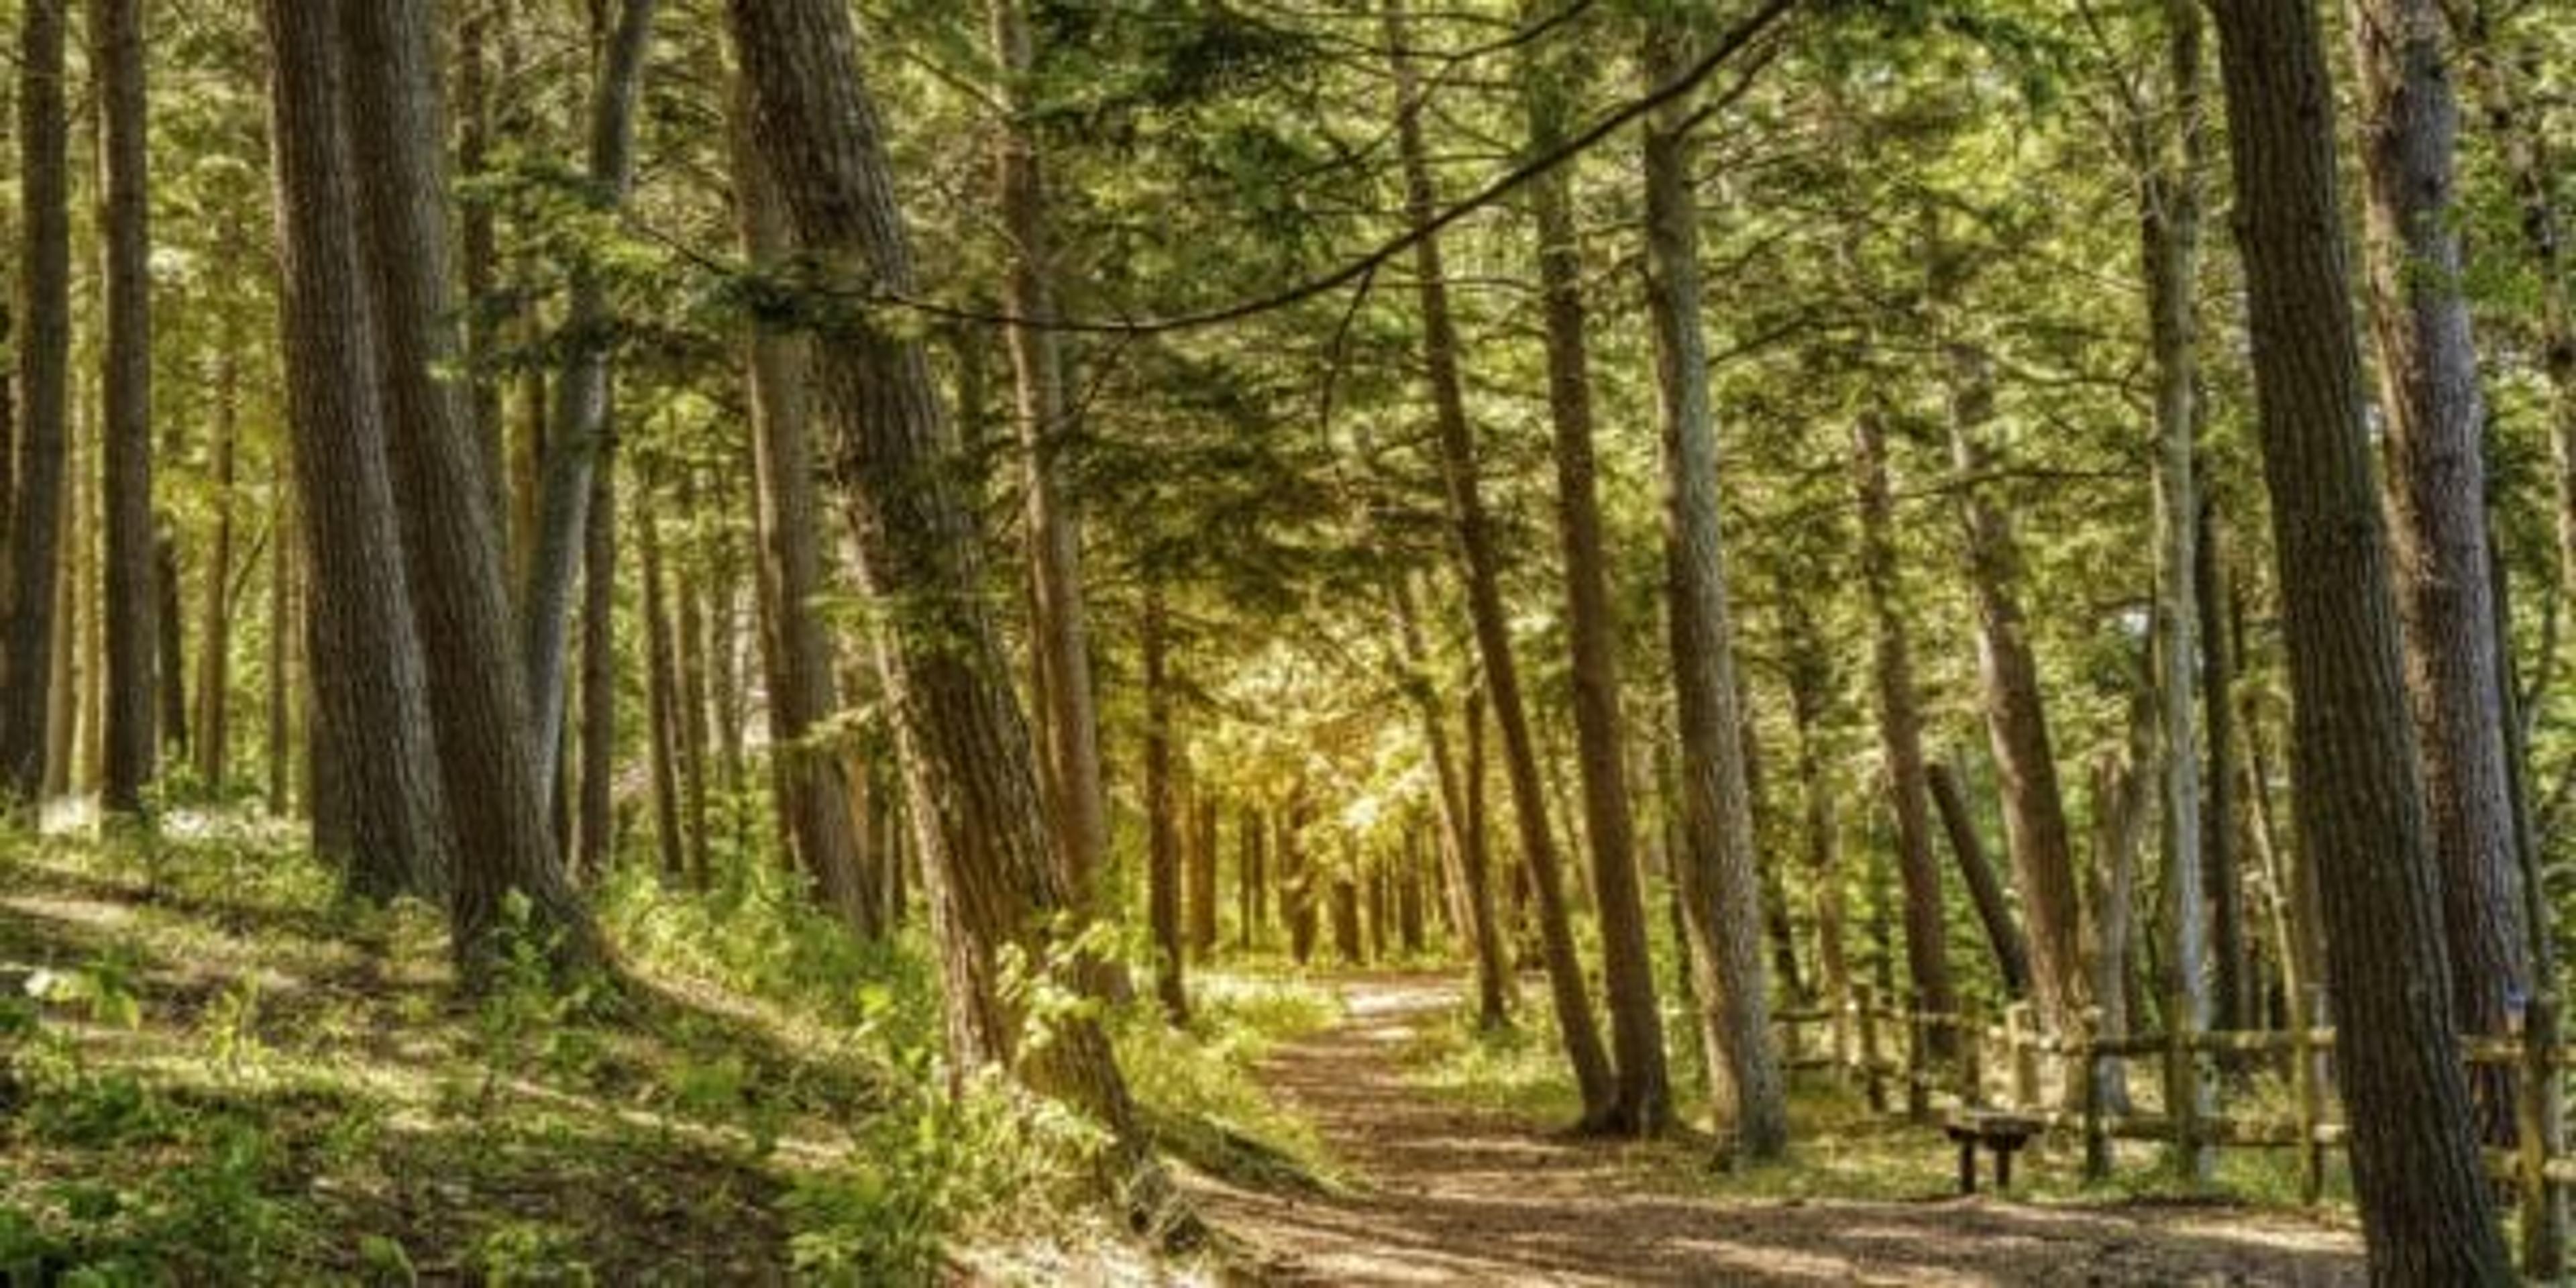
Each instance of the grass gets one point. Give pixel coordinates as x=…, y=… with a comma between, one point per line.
x=212, y=1070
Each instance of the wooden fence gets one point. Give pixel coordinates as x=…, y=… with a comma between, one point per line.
x=2005, y=1060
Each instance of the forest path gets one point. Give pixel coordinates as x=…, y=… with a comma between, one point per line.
x=1447, y=1194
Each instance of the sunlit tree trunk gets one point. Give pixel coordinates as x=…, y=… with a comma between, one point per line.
x=975, y=805
x=2426, y=1208
x=1604, y=1106
x=1471, y=886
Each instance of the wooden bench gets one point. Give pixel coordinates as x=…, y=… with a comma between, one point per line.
x=2003, y=1134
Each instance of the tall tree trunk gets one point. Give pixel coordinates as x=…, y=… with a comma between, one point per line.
x=1607, y=1105
x=1162, y=812
x=1296, y=880
x=1076, y=806
x=1994, y=912
x=1461, y=820
x=595, y=822
x=284, y=559
x=170, y=646
x=2236, y=1001
x=1811, y=682
x=1252, y=829
x=689, y=719
x=44, y=360
x=965, y=747
x=662, y=701
x=1408, y=895
x=215, y=632
x=2426, y=1209
x=1715, y=864
x=1202, y=882
x=477, y=236
x=132, y=604
x=580, y=424
x=1900, y=726
x=2034, y=807
x=366, y=666
x=1628, y=970
x=2434, y=414
x=487, y=749
x=815, y=791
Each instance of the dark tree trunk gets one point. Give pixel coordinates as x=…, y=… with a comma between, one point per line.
x=284, y=559
x=2425, y=1205
x=487, y=751
x=44, y=360
x=1408, y=894
x=1811, y=681
x=170, y=646
x=213, y=718
x=595, y=820
x=1900, y=725
x=1609, y=820
x=975, y=806
x=1162, y=813
x=1202, y=882
x=2235, y=1001
x=1607, y=1104
x=1296, y=882
x=580, y=425
x=125, y=439
x=1252, y=830
x=1461, y=814
x=366, y=665
x=1994, y=912
x=2434, y=415
x=662, y=701
x=689, y=718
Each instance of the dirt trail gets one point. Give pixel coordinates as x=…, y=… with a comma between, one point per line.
x=1446, y=1195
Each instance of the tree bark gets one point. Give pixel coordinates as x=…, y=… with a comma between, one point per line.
x=1460, y=816
x=662, y=701
x=1994, y=911
x=1607, y=1104
x=1900, y=725
x=1162, y=813
x=2434, y=414
x=965, y=747
x=580, y=424
x=1715, y=864
x=595, y=821
x=2426, y=1209
x=487, y=749
x=2236, y=1002
x=366, y=666
x=1811, y=682
x=132, y=602
x=1202, y=899
x=215, y=632
x=1628, y=971
x=44, y=360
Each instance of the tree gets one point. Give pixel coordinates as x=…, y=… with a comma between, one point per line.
x=366, y=667
x=2359, y=794
x=1606, y=1106
x=133, y=619
x=487, y=753
x=1721, y=895
x=2437, y=488
x=1162, y=810
x=964, y=745
x=1636, y=1027
x=44, y=359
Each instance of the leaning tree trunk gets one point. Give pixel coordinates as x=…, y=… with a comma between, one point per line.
x=1473, y=885
x=1900, y=726
x=1721, y=895
x=1628, y=968
x=487, y=750
x=2434, y=415
x=365, y=665
x=580, y=426
x=964, y=744
x=1077, y=808
x=44, y=361
x=132, y=602
x=1604, y=1105
x=2426, y=1208
x=814, y=804
x=1994, y=911
x=2034, y=807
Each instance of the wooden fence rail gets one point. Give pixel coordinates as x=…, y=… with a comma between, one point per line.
x=2092, y=1101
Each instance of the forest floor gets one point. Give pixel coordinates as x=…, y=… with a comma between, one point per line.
x=1445, y=1192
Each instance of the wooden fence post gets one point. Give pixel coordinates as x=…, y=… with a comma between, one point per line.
x=2086, y=1052
x=1972, y=1057
x=2541, y=1130
x=1873, y=1072
x=2184, y=1090
x=2022, y=1042
x=2306, y=1085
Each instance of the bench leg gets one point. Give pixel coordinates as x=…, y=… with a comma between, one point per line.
x=1967, y=1167
x=2003, y=1169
